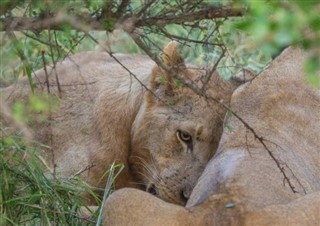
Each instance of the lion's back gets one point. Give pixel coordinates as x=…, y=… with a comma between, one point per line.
x=85, y=80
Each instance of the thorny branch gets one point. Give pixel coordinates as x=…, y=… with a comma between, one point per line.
x=58, y=21
x=156, y=59
x=180, y=38
x=45, y=71
x=208, y=13
x=131, y=23
x=127, y=69
x=214, y=68
x=201, y=92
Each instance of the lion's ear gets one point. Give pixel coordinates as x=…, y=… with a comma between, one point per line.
x=161, y=82
x=170, y=56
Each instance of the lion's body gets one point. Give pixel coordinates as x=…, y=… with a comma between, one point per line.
x=107, y=116
x=242, y=184
x=80, y=128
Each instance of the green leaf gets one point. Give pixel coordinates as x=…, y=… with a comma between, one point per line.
x=230, y=205
x=162, y=80
x=229, y=127
x=28, y=71
x=18, y=111
x=171, y=102
x=311, y=67
x=229, y=114
x=313, y=79
x=108, y=24
x=179, y=84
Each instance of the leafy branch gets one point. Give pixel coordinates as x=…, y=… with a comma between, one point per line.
x=201, y=92
x=58, y=20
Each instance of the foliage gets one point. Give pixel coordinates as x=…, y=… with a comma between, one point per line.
x=275, y=25
x=28, y=195
x=266, y=29
x=31, y=193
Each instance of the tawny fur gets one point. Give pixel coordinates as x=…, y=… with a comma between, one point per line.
x=106, y=115
x=285, y=111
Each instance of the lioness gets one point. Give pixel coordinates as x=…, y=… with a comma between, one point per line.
x=163, y=133
x=243, y=184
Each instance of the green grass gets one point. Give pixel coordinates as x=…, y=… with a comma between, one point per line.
x=29, y=195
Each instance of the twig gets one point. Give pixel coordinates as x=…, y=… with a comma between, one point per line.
x=145, y=8
x=54, y=67
x=45, y=71
x=167, y=34
x=107, y=10
x=122, y=8
x=127, y=69
x=88, y=167
x=208, y=13
x=187, y=83
x=214, y=68
x=57, y=22
x=260, y=139
x=200, y=92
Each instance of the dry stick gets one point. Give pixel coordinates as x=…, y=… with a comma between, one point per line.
x=51, y=135
x=38, y=39
x=51, y=141
x=88, y=167
x=214, y=68
x=57, y=44
x=22, y=23
x=178, y=38
x=145, y=8
x=106, y=11
x=122, y=8
x=58, y=21
x=277, y=145
x=70, y=51
x=54, y=67
x=170, y=70
x=127, y=69
x=131, y=74
x=207, y=13
x=247, y=144
x=261, y=140
x=45, y=71
x=198, y=91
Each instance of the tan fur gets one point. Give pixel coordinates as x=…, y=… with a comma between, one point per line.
x=285, y=111
x=106, y=115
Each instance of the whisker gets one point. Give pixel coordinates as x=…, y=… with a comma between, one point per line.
x=150, y=169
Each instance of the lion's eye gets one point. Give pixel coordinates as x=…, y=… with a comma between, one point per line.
x=184, y=136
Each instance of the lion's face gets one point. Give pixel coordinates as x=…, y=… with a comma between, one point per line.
x=173, y=136
x=173, y=145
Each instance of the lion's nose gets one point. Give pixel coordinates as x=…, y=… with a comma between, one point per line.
x=152, y=189
x=185, y=195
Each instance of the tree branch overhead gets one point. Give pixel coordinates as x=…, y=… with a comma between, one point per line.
x=58, y=21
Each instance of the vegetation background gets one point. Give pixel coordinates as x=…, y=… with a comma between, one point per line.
x=224, y=35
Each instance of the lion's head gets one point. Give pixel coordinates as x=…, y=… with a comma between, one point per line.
x=176, y=131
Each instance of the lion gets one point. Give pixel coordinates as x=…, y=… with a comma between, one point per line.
x=132, y=113
x=266, y=169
